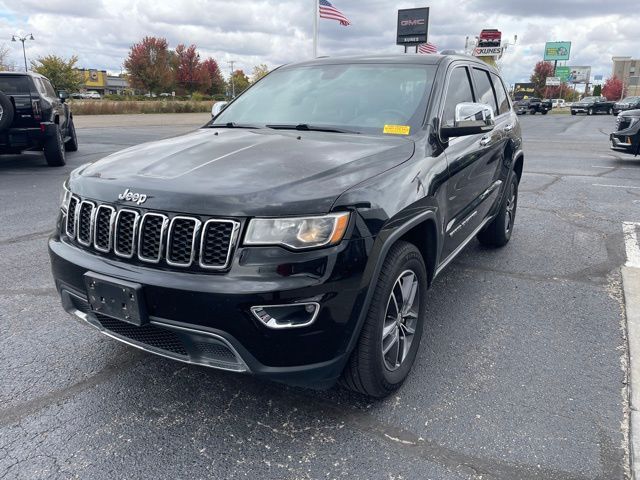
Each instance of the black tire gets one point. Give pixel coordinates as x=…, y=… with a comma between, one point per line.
x=6, y=112
x=54, y=149
x=544, y=112
x=367, y=371
x=610, y=112
x=590, y=111
x=532, y=112
x=498, y=232
x=572, y=112
x=71, y=145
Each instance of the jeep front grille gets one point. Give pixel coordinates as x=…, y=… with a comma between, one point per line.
x=147, y=237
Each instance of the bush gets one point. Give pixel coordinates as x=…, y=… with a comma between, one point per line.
x=112, y=107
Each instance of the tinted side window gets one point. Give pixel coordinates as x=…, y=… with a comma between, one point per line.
x=501, y=93
x=458, y=91
x=39, y=86
x=47, y=85
x=484, y=90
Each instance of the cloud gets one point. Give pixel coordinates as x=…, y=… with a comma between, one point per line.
x=274, y=32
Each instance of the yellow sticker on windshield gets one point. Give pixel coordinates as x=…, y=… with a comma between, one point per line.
x=397, y=129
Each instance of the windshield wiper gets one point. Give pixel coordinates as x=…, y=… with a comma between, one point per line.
x=233, y=125
x=308, y=128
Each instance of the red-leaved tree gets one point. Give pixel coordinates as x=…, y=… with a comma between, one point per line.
x=541, y=71
x=217, y=83
x=190, y=74
x=148, y=65
x=612, y=88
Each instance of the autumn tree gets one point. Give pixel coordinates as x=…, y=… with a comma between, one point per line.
x=240, y=81
x=149, y=65
x=62, y=73
x=5, y=65
x=597, y=90
x=612, y=88
x=259, y=71
x=190, y=75
x=541, y=71
x=216, y=81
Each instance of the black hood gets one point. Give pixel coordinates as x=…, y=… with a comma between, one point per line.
x=630, y=113
x=239, y=172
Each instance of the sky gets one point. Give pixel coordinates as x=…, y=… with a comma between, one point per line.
x=251, y=32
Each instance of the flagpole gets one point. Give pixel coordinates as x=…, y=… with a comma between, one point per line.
x=315, y=27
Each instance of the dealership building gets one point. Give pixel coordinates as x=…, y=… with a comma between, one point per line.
x=628, y=70
x=103, y=83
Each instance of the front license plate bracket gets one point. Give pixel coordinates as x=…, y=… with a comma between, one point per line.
x=115, y=298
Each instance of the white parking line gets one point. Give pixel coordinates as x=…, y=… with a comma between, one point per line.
x=630, y=232
x=612, y=186
x=613, y=166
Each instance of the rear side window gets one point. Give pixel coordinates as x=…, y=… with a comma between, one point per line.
x=47, y=86
x=501, y=94
x=484, y=90
x=15, y=85
x=458, y=91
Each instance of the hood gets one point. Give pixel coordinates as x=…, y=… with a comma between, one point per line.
x=240, y=172
x=630, y=113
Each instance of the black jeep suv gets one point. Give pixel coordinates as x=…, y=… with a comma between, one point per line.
x=626, y=138
x=295, y=235
x=33, y=117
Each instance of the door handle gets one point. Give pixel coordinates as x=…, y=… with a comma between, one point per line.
x=508, y=127
x=486, y=140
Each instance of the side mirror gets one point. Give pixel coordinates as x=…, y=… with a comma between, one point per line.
x=63, y=95
x=218, y=107
x=470, y=119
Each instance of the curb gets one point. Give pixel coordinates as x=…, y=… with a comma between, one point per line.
x=631, y=286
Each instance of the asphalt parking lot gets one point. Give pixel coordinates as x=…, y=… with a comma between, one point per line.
x=521, y=372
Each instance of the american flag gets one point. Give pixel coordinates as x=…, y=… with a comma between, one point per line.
x=427, y=48
x=332, y=13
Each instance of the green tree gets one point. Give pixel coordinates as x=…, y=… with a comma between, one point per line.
x=259, y=71
x=541, y=71
x=149, y=65
x=61, y=73
x=597, y=90
x=240, y=81
x=5, y=65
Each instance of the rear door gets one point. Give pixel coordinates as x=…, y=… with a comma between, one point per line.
x=473, y=160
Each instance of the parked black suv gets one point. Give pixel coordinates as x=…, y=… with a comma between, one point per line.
x=626, y=138
x=627, y=103
x=295, y=235
x=33, y=117
x=592, y=105
x=533, y=106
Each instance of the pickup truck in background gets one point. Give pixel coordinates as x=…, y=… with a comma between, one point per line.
x=532, y=106
x=592, y=105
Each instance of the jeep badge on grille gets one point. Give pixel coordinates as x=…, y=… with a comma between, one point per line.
x=129, y=196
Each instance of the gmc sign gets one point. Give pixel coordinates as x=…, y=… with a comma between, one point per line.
x=413, y=26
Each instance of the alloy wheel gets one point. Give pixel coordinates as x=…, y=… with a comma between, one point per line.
x=400, y=319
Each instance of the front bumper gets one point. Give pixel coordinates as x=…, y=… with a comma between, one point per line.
x=625, y=142
x=206, y=319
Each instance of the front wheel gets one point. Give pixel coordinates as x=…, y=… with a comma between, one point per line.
x=590, y=111
x=572, y=112
x=498, y=232
x=392, y=330
x=54, y=149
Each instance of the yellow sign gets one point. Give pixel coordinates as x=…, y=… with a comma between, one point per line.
x=94, y=78
x=397, y=129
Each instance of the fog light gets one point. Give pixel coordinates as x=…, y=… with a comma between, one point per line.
x=293, y=315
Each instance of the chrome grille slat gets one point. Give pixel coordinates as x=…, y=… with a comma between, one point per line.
x=72, y=216
x=103, y=228
x=216, y=243
x=84, y=222
x=181, y=241
x=153, y=227
x=152, y=237
x=124, y=237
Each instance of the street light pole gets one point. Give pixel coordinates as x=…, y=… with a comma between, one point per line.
x=233, y=87
x=22, y=38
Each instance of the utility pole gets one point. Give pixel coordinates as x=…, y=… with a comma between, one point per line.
x=233, y=87
x=22, y=38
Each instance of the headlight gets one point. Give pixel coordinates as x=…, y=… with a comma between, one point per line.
x=65, y=196
x=298, y=232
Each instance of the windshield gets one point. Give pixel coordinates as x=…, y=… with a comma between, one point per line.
x=15, y=85
x=589, y=99
x=364, y=98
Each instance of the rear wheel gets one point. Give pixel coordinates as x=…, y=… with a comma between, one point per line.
x=572, y=112
x=498, y=232
x=54, y=149
x=610, y=111
x=6, y=112
x=590, y=111
x=391, y=334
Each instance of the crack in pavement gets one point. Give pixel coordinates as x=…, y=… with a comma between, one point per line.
x=27, y=237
